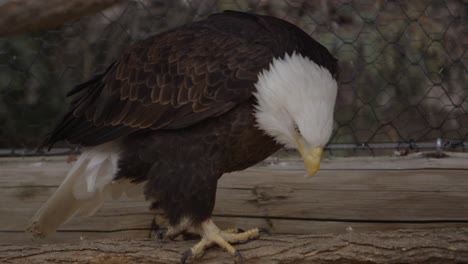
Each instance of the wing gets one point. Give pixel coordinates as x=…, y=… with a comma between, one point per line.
x=169, y=81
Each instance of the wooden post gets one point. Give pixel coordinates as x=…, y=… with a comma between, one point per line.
x=402, y=246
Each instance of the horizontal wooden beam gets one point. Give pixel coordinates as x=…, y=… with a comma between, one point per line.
x=334, y=201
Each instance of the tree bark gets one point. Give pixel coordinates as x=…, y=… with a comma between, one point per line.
x=402, y=246
x=20, y=16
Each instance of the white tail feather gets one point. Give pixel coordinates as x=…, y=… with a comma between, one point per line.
x=83, y=191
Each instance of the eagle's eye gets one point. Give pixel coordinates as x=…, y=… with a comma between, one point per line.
x=296, y=129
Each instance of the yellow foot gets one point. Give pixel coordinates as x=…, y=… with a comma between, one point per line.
x=211, y=235
x=236, y=235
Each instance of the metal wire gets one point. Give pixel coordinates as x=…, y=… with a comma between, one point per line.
x=403, y=66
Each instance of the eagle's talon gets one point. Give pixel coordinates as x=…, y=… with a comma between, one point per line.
x=187, y=254
x=159, y=234
x=212, y=235
x=153, y=228
x=264, y=231
x=239, y=255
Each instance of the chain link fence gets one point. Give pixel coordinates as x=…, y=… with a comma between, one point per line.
x=403, y=66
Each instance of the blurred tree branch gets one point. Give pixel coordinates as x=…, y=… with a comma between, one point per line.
x=20, y=16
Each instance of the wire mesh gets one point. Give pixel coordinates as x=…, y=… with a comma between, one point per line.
x=403, y=65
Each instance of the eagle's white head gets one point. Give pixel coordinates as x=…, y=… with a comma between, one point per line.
x=296, y=98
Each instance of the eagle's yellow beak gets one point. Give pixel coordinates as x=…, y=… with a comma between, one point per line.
x=311, y=157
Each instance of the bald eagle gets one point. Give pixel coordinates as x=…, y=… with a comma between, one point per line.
x=178, y=110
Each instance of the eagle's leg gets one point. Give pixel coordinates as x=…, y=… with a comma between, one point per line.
x=212, y=235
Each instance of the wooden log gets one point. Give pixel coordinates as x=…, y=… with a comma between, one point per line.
x=402, y=246
x=19, y=16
